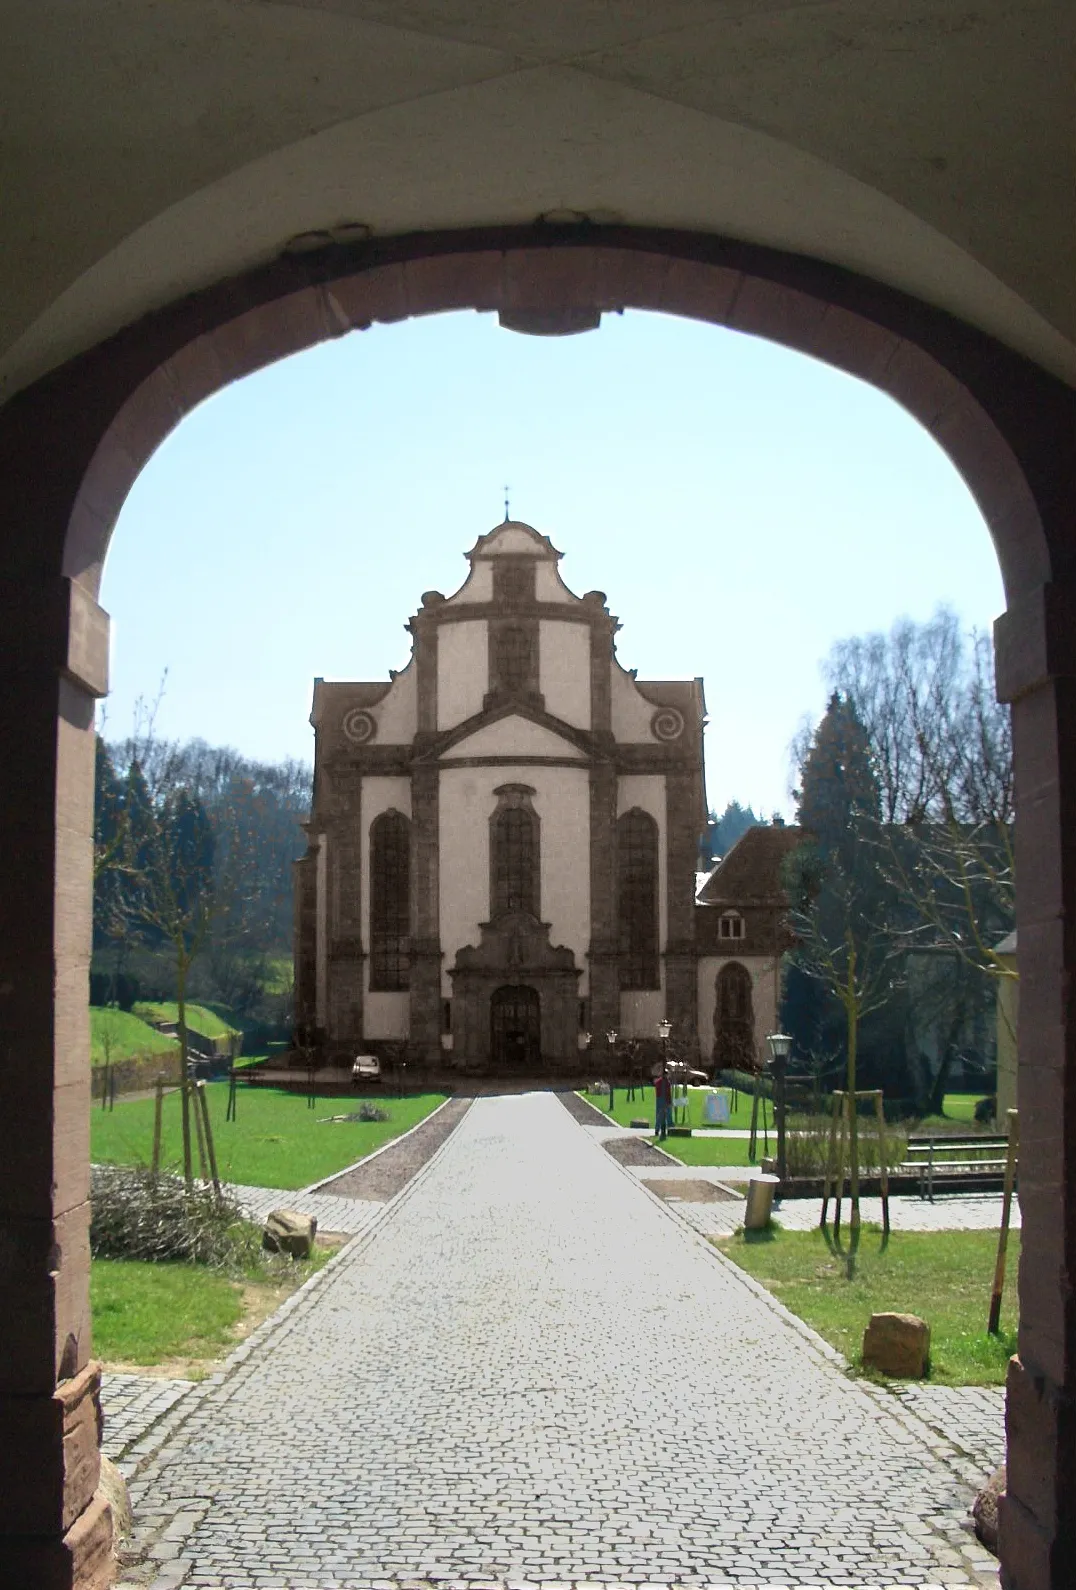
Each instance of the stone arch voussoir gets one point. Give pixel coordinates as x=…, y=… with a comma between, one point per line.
x=545, y=286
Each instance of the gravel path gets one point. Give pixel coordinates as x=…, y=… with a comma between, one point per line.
x=528, y=1370
x=380, y=1178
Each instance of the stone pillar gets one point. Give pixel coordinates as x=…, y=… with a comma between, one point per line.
x=603, y=953
x=425, y=1026
x=1036, y=672
x=304, y=944
x=54, y=1533
x=682, y=844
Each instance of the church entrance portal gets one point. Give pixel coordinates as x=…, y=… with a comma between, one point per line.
x=515, y=1028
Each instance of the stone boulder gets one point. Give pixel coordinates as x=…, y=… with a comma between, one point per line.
x=897, y=1345
x=985, y=1510
x=289, y=1232
x=113, y=1487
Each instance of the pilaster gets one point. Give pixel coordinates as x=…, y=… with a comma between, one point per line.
x=603, y=959
x=681, y=842
x=345, y=910
x=425, y=1016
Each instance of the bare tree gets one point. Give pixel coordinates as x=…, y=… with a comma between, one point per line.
x=941, y=750
x=844, y=941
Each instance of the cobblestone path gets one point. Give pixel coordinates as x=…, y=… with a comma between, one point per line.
x=528, y=1370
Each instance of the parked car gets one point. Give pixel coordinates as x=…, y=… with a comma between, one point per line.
x=680, y=1072
x=366, y=1068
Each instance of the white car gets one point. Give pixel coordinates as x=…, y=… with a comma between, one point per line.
x=366, y=1068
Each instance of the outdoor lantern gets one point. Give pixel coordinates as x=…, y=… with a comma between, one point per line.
x=780, y=1045
x=780, y=1048
x=665, y=1027
x=611, y=1035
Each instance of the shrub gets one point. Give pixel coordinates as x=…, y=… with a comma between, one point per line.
x=137, y=1215
x=371, y=1112
x=807, y=1147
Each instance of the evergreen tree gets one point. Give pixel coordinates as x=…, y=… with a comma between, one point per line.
x=841, y=908
x=722, y=832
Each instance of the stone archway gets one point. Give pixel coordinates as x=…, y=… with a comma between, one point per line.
x=70, y=448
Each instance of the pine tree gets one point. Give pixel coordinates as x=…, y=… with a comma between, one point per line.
x=841, y=907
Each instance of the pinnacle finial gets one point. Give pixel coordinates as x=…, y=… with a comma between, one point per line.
x=506, y=514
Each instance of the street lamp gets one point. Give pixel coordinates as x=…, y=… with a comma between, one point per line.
x=610, y=1038
x=780, y=1048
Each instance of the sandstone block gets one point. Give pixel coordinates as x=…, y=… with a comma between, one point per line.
x=897, y=1345
x=289, y=1232
x=986, y=1507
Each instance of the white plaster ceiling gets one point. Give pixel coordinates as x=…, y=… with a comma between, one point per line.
x=150, y=147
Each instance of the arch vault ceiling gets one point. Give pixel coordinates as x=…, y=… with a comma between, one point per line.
x=152, y=147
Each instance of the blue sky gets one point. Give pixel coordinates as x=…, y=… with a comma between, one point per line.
x=742, y=506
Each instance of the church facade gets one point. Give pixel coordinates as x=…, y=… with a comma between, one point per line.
x=503, y=837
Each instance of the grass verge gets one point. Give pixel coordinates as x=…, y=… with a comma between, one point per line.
x=119, y=1035
x=185, y=1315
x=277, y=1140
x=200, y=1017
x=945, y=1277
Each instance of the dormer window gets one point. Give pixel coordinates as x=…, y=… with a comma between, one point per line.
x=731, y=926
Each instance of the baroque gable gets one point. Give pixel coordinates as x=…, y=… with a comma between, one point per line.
x=513, y=735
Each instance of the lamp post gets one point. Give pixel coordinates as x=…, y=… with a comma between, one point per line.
x=780, y=1048
x=610, y=1038
x=662, y=1121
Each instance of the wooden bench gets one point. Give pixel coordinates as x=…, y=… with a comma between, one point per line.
x=943, y=1156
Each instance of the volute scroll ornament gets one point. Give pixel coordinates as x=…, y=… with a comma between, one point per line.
x=359, y=726
x=667, y=724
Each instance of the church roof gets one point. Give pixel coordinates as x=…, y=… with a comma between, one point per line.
x=751, y=872
x=513, y=536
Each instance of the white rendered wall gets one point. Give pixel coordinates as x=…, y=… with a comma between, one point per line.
x=630, y=712
x=384, y=1015
x=397, y=712
x=462, y=671
x=564, y=670
x=321, y=926
x=562, y=801
x=548, y=585
x=514, y=736
x=477, y=587
x=510, y=539
x=765, y=973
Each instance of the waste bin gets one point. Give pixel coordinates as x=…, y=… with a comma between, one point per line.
x=760, y=1191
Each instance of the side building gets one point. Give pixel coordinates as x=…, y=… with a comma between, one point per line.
x=503, y=836
x=741, y=935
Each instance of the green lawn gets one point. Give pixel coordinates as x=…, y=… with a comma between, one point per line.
x=200, y=1017
x=124, y=1036
x=713, y=1150
x=624, y=1112
x=944, y=1277
x=277, y=1140
x=961, y=1106
x=143, y=1313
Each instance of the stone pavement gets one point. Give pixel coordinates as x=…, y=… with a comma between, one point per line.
x=527, y=1370
x=134, y=1405
x=348, y=1216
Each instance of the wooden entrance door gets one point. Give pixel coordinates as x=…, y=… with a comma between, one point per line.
x=515, y=1028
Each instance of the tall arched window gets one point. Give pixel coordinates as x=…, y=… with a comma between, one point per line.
x=637, y=899
x=734, y=1019
x=390, y=901
x=514, y=854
